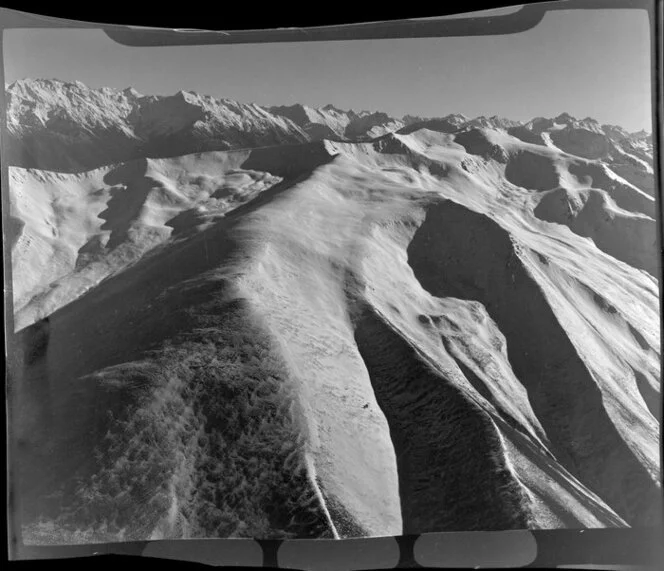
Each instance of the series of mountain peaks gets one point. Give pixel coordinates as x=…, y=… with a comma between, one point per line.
x=61, y=121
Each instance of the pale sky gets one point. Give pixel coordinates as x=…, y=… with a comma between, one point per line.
x=585, y=62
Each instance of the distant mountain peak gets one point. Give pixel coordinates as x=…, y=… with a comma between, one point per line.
x=131, y=92
x=564, y=117
x=642, y=134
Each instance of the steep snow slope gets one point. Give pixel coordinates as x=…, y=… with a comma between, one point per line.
x=76, y=229
x=443, y=328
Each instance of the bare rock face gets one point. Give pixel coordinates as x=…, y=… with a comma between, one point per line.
x=233, y=321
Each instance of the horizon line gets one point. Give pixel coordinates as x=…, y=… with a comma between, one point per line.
x=317, y=108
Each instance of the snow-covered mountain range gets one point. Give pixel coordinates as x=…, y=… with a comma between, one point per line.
x=68, y=126
x=241, y=321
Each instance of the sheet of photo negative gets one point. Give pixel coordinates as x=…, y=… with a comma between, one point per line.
x=301, y=336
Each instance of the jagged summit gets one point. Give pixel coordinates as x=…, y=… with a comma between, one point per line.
x=564, y=117
x=332, y=107
x=131, y=92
